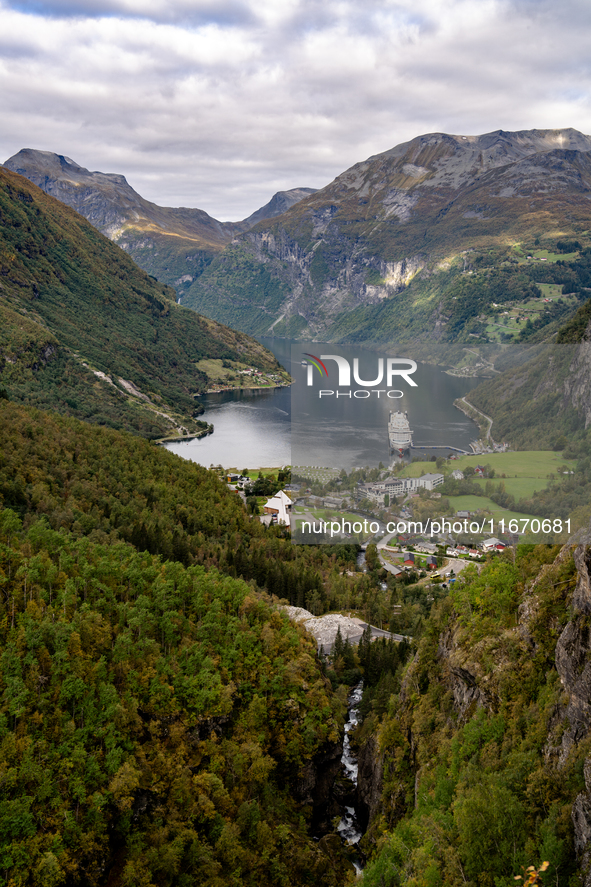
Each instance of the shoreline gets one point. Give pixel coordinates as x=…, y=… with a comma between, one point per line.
x=244, y=388
x=180, y=438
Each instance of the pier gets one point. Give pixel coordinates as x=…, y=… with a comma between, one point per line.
x=440, y=447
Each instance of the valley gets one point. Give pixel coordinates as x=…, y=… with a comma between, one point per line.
x=163, y=720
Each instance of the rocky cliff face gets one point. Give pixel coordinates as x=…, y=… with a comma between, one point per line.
x=315, y=787
x=357, y=243
x=369, y=780
x=572, y=724
x=576, y=388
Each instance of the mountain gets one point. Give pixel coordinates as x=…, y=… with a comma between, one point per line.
x=84, y=331
x=279, y=203
x=174, y=245
x=378, y=251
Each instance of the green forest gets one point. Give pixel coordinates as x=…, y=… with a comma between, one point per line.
x=158, y=714
x=478, y=778
x=163, y=723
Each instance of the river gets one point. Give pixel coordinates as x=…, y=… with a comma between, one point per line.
x=254, y=429
x=349, y=827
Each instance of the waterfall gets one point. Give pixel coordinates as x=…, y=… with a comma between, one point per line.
x=349, y=828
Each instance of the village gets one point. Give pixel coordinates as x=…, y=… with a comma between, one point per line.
x=411, y=547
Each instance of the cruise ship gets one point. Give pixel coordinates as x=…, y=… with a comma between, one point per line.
x=399, y=433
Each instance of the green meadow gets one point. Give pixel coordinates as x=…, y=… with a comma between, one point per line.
x=528, y=463
x=534, y=464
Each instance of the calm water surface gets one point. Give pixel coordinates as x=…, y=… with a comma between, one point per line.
x=251, y=431
x=254, y=429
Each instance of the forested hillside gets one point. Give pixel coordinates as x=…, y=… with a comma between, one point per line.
x=84, y=331
x=162, y=723
x=160, y=720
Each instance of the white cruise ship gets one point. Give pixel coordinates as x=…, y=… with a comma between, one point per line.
x=399, y=433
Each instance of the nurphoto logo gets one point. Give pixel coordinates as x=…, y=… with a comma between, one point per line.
x=395, y=367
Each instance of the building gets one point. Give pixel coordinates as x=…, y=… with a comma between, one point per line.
x=399, y=486
x=426, y=547
x=279, y=506
x=333, y=502
x=492, y=544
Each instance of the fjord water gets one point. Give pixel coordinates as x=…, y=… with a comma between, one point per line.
x=345, y=432
x=251, y=430
x=255, y=429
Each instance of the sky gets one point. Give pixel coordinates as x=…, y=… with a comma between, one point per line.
x=218, y=104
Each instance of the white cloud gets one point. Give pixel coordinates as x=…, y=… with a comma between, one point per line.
x=218, y=105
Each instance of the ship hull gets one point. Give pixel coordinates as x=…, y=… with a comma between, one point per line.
x=399, y=433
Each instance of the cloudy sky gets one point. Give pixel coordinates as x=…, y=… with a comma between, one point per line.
x=220, y=103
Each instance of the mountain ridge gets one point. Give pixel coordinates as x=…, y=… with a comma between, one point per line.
x=85, y=331
x=398, y=217
x=170, y=243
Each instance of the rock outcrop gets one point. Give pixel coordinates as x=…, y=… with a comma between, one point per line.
x=573, y=722
x=369, y=780
x=314, y=787
x=576, y=387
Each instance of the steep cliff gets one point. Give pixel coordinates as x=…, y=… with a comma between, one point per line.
x=485, y=754
x=344, y=257
x=369, y=780
x=573, y=719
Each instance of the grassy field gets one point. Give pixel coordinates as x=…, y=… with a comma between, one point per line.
x=520, y=487
x=527, y=463
x=231, y=373
x=519, y=313
x=523, y=474
x=538, y=255
x=551, y=290
x=553, y=257
x=534, y=464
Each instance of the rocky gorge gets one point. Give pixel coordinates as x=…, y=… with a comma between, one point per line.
x=492, y=719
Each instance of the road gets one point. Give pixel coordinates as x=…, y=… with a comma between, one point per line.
x=484, y=416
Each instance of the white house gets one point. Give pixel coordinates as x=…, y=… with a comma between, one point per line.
x=490, y=544
x=280, y=506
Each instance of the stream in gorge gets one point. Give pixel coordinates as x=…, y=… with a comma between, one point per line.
x=349, y=828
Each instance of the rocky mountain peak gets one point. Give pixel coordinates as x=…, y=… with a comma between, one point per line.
x=172, y=244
